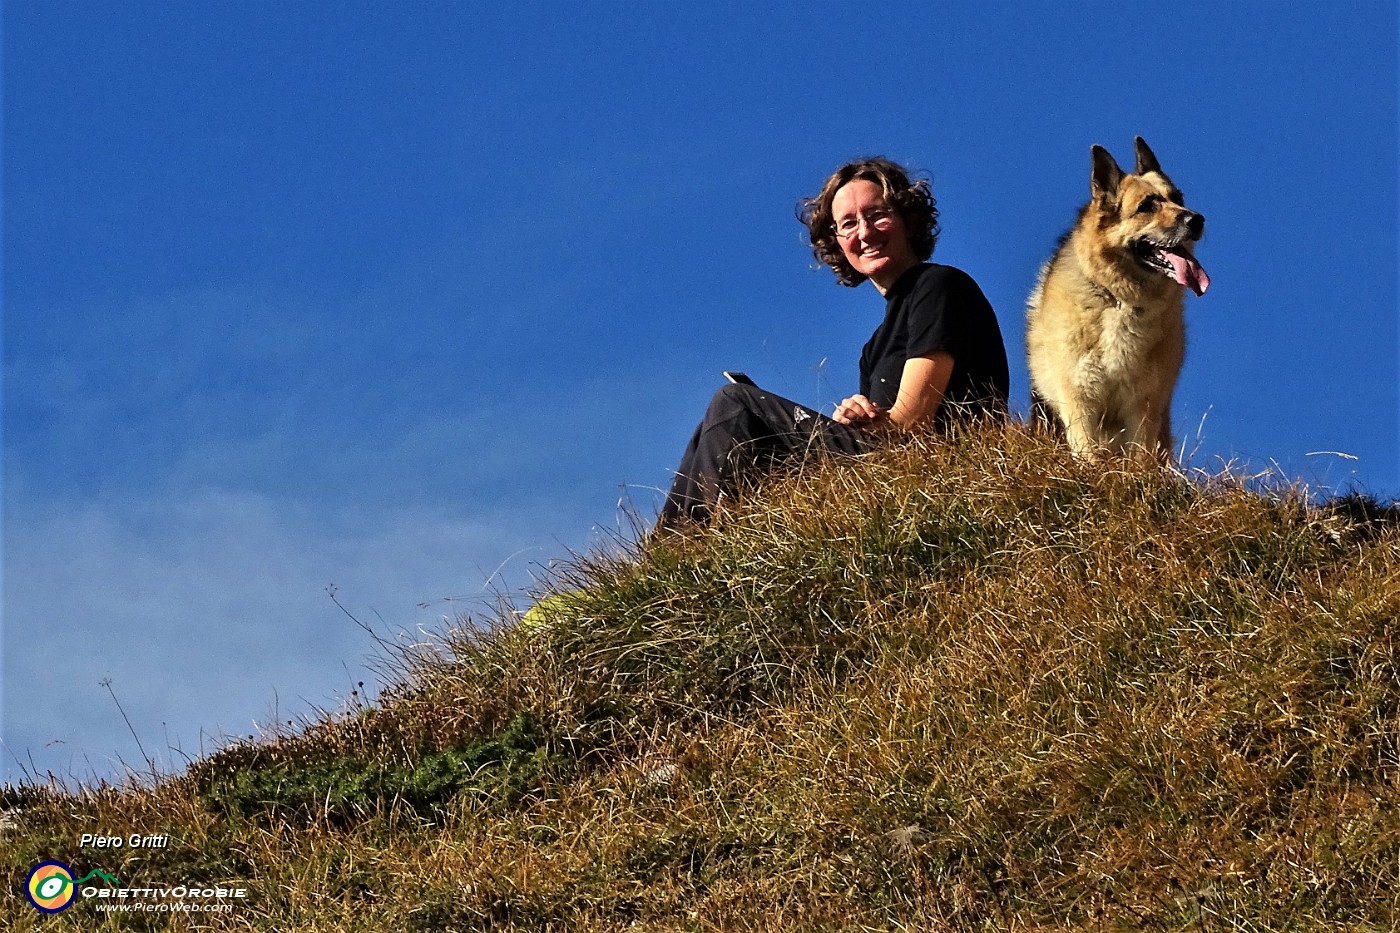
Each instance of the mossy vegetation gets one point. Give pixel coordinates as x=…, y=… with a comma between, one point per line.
x=497, y=771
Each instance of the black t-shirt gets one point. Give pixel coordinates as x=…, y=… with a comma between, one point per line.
x=930, y=308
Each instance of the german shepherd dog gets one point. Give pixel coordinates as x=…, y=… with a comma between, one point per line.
x=1105, y=334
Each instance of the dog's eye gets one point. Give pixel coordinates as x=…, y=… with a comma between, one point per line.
x=1149, y=204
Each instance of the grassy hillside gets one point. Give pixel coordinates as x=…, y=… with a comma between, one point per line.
x=968, y=685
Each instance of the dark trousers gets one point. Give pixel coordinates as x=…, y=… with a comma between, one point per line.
x=747, y=431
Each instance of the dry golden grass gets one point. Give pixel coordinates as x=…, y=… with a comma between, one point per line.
x=965, y=684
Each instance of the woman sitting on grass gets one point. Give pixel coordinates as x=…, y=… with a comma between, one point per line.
x=937, y=357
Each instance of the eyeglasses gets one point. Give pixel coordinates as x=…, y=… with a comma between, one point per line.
x=880, y=219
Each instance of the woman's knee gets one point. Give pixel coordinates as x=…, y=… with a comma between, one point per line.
x=730, y=398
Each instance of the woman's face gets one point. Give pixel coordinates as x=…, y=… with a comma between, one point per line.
x=871, y=232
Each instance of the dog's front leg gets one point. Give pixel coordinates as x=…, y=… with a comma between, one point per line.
x=1149, y=438
x=1084, y=432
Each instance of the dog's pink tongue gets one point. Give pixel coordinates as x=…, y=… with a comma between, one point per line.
x=1187, y=271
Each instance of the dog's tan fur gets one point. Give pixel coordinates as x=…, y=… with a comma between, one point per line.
x=1105, y=332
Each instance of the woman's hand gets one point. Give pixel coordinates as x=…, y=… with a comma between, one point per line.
x=920, y=393
x=860, y=411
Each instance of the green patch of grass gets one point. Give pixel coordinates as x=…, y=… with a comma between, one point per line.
x=498, y=771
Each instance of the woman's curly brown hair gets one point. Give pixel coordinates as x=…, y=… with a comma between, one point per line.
x=913, y=200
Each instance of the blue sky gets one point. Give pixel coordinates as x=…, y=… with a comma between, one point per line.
x=408, y=298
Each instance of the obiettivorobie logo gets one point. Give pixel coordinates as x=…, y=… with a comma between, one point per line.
x=51, y=886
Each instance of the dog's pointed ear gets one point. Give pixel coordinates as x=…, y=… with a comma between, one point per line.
x=1146, y=160
x=1106, y=175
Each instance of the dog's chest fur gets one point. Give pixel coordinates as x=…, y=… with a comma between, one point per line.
x=1121, y=338
x=1110, y=347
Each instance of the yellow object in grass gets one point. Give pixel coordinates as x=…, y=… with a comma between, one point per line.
x=543, y=613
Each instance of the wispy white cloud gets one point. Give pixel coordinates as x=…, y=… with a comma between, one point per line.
x=207, y=610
